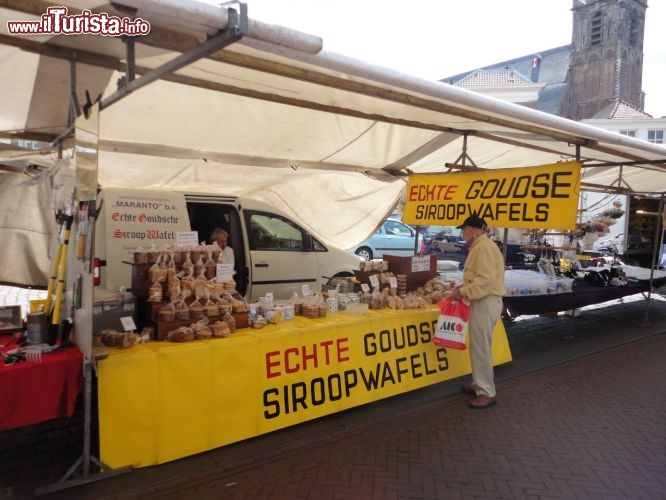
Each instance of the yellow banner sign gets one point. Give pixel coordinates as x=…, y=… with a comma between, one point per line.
x=541, y=197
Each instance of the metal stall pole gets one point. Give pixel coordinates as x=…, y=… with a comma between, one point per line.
x=656, y=253
x=82, y=464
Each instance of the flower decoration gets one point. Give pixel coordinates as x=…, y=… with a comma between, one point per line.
x=600, y=227
x=615, y=212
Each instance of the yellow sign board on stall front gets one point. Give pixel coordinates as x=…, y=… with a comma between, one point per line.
x=162, y=401
x=541, y=197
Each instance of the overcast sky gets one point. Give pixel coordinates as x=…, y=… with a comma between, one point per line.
x=433, y=39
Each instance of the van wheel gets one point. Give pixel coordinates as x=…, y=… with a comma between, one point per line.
x=365, y=253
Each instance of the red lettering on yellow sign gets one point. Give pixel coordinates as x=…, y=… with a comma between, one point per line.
x=435, y=192
x=301, y=358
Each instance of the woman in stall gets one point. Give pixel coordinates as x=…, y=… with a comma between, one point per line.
x=221, y=238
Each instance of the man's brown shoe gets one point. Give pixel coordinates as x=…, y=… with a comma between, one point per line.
x=468, y=389
x=482, y=401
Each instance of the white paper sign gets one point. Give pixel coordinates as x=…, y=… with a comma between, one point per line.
x=421, y=263
x=186, y=239
x=305, y=290
x=225, y=272
x=393, y=282
x=128, y=323
x=374, y=281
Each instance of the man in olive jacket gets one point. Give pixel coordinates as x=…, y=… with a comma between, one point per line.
x=483, y=287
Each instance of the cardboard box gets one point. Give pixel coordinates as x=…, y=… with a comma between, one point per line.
x=417, y=269
x=107, y=314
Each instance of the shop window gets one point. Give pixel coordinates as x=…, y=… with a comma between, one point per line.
x=27, y=144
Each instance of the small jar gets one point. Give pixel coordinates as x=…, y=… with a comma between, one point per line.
x=288, y=312
x=332, y=304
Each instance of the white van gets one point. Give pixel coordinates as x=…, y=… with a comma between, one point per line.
x=272, y=252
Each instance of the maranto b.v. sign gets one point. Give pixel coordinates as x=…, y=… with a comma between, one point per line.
x=541, y=197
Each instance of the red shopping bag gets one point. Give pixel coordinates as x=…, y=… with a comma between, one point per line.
x=451, y=330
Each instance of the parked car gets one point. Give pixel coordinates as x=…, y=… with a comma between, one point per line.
x=442, y=240
x=516, y=256
x=393, y=238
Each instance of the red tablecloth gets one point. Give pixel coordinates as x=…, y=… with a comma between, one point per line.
x=34, y=392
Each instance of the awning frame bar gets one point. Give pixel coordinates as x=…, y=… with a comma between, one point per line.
x=235, y=30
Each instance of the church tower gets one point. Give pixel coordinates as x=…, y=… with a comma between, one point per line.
x=606, y=63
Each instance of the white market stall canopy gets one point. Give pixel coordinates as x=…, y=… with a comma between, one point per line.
x=327, y=138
